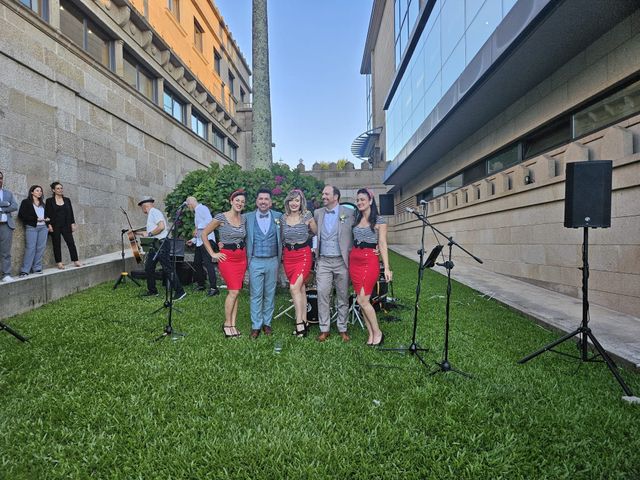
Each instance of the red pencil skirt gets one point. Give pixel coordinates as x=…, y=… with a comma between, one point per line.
x=233, y=268
x=364, y=269
x=296, y=263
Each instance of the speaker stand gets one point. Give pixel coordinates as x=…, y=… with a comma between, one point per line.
x=583, y=331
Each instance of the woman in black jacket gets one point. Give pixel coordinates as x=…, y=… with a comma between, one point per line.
x=32, y=214
x=62, y=223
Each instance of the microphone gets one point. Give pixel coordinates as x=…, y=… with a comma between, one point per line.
x=410, y=210
x=183, y=204
x=423, y=202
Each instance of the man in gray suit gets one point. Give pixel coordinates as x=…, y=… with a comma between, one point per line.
x=8, y=205
x=335, y=240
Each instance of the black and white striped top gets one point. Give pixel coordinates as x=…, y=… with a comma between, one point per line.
x=364, y=234
x=298, y=233
x=228, y=233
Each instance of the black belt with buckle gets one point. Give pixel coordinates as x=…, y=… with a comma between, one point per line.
x=233, y=246
x=296, y=246
x=358, y=244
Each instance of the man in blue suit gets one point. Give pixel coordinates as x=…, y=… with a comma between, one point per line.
x=264, y=251
x=8, y=205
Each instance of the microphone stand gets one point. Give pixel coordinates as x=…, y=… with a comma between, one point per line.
x=415, y=348
x=445, y=366
x=168, y=302
x=123, y=272
x=4, y=326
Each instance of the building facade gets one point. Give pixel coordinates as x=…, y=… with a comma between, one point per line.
x=481, y=104
x=117, y=99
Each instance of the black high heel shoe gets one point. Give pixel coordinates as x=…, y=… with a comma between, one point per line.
x=379, y=344
x=301, y=333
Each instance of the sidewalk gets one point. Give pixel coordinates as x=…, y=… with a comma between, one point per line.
x=618, y=333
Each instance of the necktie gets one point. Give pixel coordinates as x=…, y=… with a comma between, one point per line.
x=264, y=215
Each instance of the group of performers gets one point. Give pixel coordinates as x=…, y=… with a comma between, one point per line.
x=350, y=245
x=41, y=218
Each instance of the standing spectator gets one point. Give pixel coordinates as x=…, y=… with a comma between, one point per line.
x=8, y=205
x=62, y=224
x=32, y=215
x=264, y=251
x=335, y=240
x=201, y=257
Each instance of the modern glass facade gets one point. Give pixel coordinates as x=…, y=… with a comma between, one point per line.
x=454, y=32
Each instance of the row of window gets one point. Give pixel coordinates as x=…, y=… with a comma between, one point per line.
x=606, y=110
x=93, y=40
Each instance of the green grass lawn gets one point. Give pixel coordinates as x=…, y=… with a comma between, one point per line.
x=93, y=396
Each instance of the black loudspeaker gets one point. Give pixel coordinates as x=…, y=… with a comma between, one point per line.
x=386, y=204
x=587, y=199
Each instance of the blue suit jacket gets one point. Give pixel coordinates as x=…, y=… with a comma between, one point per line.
x=8, y=197
x=251, y=222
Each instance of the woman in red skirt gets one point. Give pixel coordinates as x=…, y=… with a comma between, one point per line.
x=369, y=234
x=297, y=227
x=232, y=258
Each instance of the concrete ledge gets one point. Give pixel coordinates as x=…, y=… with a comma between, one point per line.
x=33, y=291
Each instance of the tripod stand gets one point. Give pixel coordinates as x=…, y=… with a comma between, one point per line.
x=414, y=348
x=171, y=281
x=583, y=330
x=4, y=326
x=123, y=271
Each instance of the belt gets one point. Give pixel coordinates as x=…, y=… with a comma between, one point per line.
x=296, y=246
x=359, y=244
x=233, y=246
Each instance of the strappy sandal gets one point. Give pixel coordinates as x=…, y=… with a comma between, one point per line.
x=301, y=333
x=229, y=331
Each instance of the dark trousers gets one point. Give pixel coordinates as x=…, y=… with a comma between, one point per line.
x=57, y=244
x=203, y=259
x=165, y=262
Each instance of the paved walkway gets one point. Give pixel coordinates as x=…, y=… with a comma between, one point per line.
x=618, y=333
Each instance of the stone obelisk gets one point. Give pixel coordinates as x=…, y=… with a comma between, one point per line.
x=261, y=142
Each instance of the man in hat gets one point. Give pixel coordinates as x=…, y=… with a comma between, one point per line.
x=8, y=205
x=157, y=228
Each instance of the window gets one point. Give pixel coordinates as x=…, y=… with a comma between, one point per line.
x=139, y=78
x=503, y=159
x=217, y=60
x=174, y=7
x=233, y=152
x=85, y=33
x=173, y=106
x=218, y=140
x=405, y=14
x=199, y=125
x=547, y=137
x=242, y=95
x=41, y=7
x=231, y=83
x=611, y=109
x=198, y=34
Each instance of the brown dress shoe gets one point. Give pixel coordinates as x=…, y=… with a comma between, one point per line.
x=345, y=336
x=323, y=336
x=254, y=333
x=266, y=329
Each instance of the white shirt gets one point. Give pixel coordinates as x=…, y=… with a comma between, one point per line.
x=3, y=216
x=154, y=217
x=39, y=214
x=203, y=217
x=264, y=223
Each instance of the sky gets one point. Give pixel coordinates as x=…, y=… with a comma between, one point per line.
x=318, y=102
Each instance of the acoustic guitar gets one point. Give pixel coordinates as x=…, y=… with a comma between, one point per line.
x=136, y=249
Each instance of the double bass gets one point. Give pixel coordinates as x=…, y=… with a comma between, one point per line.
x=136, y=248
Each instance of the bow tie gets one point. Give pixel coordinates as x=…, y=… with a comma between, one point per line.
x=264, y=215
x=328, y=212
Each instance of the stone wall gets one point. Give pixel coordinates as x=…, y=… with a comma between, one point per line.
x=64, y=117
x=350, y=179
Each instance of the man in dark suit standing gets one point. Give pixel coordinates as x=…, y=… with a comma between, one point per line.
x=335, y=240
x=8, y=205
